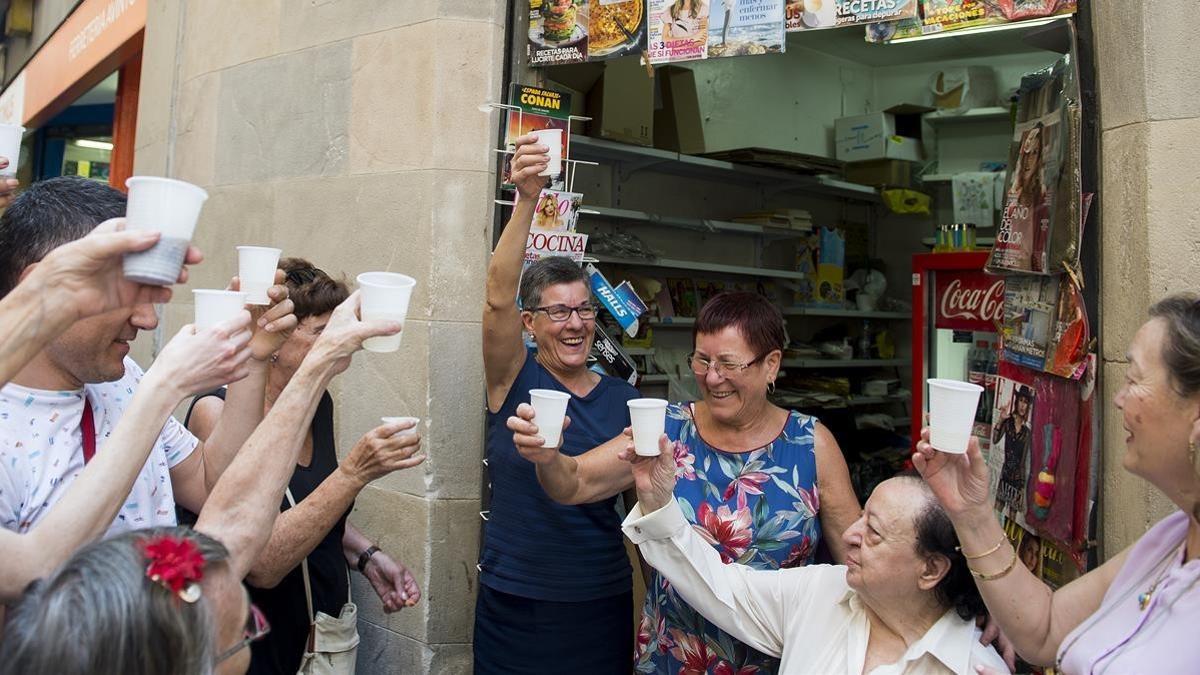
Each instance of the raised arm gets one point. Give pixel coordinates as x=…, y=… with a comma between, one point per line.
x=194, y=478
x=243, y=506
x=839, y=506
x=503, y=351
x=749, y=604
x=597, y=474
x=73, y=282
x=1033, y=616
x=191, y=362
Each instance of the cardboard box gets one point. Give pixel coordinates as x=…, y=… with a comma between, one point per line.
x=881, y=172
x=621, y=104
x=678, y=125
x=892, y=134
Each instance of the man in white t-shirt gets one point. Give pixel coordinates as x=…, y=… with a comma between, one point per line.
x=85, y=372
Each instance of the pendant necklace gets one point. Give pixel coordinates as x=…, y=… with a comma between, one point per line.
x=1144, y=598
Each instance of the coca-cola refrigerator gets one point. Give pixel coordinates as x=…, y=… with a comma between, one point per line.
x=957, y=312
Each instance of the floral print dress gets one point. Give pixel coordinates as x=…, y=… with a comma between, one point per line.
x=757, y=508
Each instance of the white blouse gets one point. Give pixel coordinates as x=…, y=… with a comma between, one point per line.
x=807, y=616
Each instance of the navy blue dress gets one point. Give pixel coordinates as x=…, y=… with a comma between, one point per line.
x=555, y=584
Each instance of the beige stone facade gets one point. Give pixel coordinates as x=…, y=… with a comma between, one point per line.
x=347, y=132
x=1149, y=88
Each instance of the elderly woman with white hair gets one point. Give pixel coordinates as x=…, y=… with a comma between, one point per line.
x=904, y=601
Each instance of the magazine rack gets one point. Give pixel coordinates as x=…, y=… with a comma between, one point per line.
x=569, y=179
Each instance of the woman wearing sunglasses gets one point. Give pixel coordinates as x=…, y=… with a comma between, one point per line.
x=748, y=474
x=535, y=606
x=171, y=600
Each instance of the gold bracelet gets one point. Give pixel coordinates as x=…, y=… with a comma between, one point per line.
x=982, y=555
x=999, y=575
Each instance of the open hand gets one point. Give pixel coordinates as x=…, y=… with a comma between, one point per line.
x=525, y=436
x=393, y=583
x=654, y=477
x=381, y=451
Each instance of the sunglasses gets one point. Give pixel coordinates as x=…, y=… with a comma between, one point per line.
x=256, y=628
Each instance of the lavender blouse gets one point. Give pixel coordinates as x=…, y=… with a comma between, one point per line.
x=1121, y=637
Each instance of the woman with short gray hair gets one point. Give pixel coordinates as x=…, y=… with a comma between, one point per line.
x=170, y=600
x=564, y=565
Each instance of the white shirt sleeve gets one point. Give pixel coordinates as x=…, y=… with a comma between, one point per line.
x=751, y=605
x=176, y=442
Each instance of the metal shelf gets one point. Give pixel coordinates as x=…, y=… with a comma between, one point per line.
x=993, y=114
x=838, y=364
x=681, y=322
x=694, y=224
x=654, y=379
x=638, y=351
x=838, y=313
x=663, y=161
x=668, y=263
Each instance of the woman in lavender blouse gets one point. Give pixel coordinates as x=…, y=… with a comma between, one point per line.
x=1138, y=612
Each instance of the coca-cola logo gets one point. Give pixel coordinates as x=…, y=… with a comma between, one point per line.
x=975, y=304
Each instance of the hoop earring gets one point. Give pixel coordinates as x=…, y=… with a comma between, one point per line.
x=771, y=387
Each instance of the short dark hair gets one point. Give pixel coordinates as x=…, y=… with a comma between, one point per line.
x=311, y=289
x=1023, y=392
x=755, y=317
x=547, y=272
x=935, y=536
x=47, y=215
x=1181, y=351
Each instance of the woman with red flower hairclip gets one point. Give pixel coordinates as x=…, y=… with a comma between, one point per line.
x=170, y=600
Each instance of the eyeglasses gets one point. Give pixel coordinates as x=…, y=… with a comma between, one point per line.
x=725, y=369
x=586, y=312
x=256, y=628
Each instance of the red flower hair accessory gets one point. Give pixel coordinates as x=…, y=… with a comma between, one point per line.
x=176, y=564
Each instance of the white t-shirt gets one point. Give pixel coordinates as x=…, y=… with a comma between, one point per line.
x=41, y=453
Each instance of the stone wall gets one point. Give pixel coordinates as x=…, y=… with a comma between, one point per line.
x=1150, y=201
x=347, y=132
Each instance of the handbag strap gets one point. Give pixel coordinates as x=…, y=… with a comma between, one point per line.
x=312, y=617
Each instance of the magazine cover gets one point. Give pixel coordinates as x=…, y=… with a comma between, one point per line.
x=615, y=28
x=1012, y=435
x=678, y=30
x=817, y=14
x=745, y=27
x=557, y=211
x=539, y=109
x=1030, y=313
x=557, y=32
x=943, y=15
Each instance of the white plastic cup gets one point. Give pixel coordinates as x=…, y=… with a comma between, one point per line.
x=164, y=205
x=385, y=297
x=401, y=420
x=549, y=410
x=553, y=139
x=256, y=272
x=213, y=307
x=649, y=418
x=10, y=147
x=952, y=406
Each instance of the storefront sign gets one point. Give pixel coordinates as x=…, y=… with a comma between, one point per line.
x=92, y=35
x=972, y=300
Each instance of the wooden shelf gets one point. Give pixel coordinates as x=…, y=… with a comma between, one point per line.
x=668, y=263
x=838, y=364
x=838, y=313
x=694, y=224
x=703, y=168
x=993, y=114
